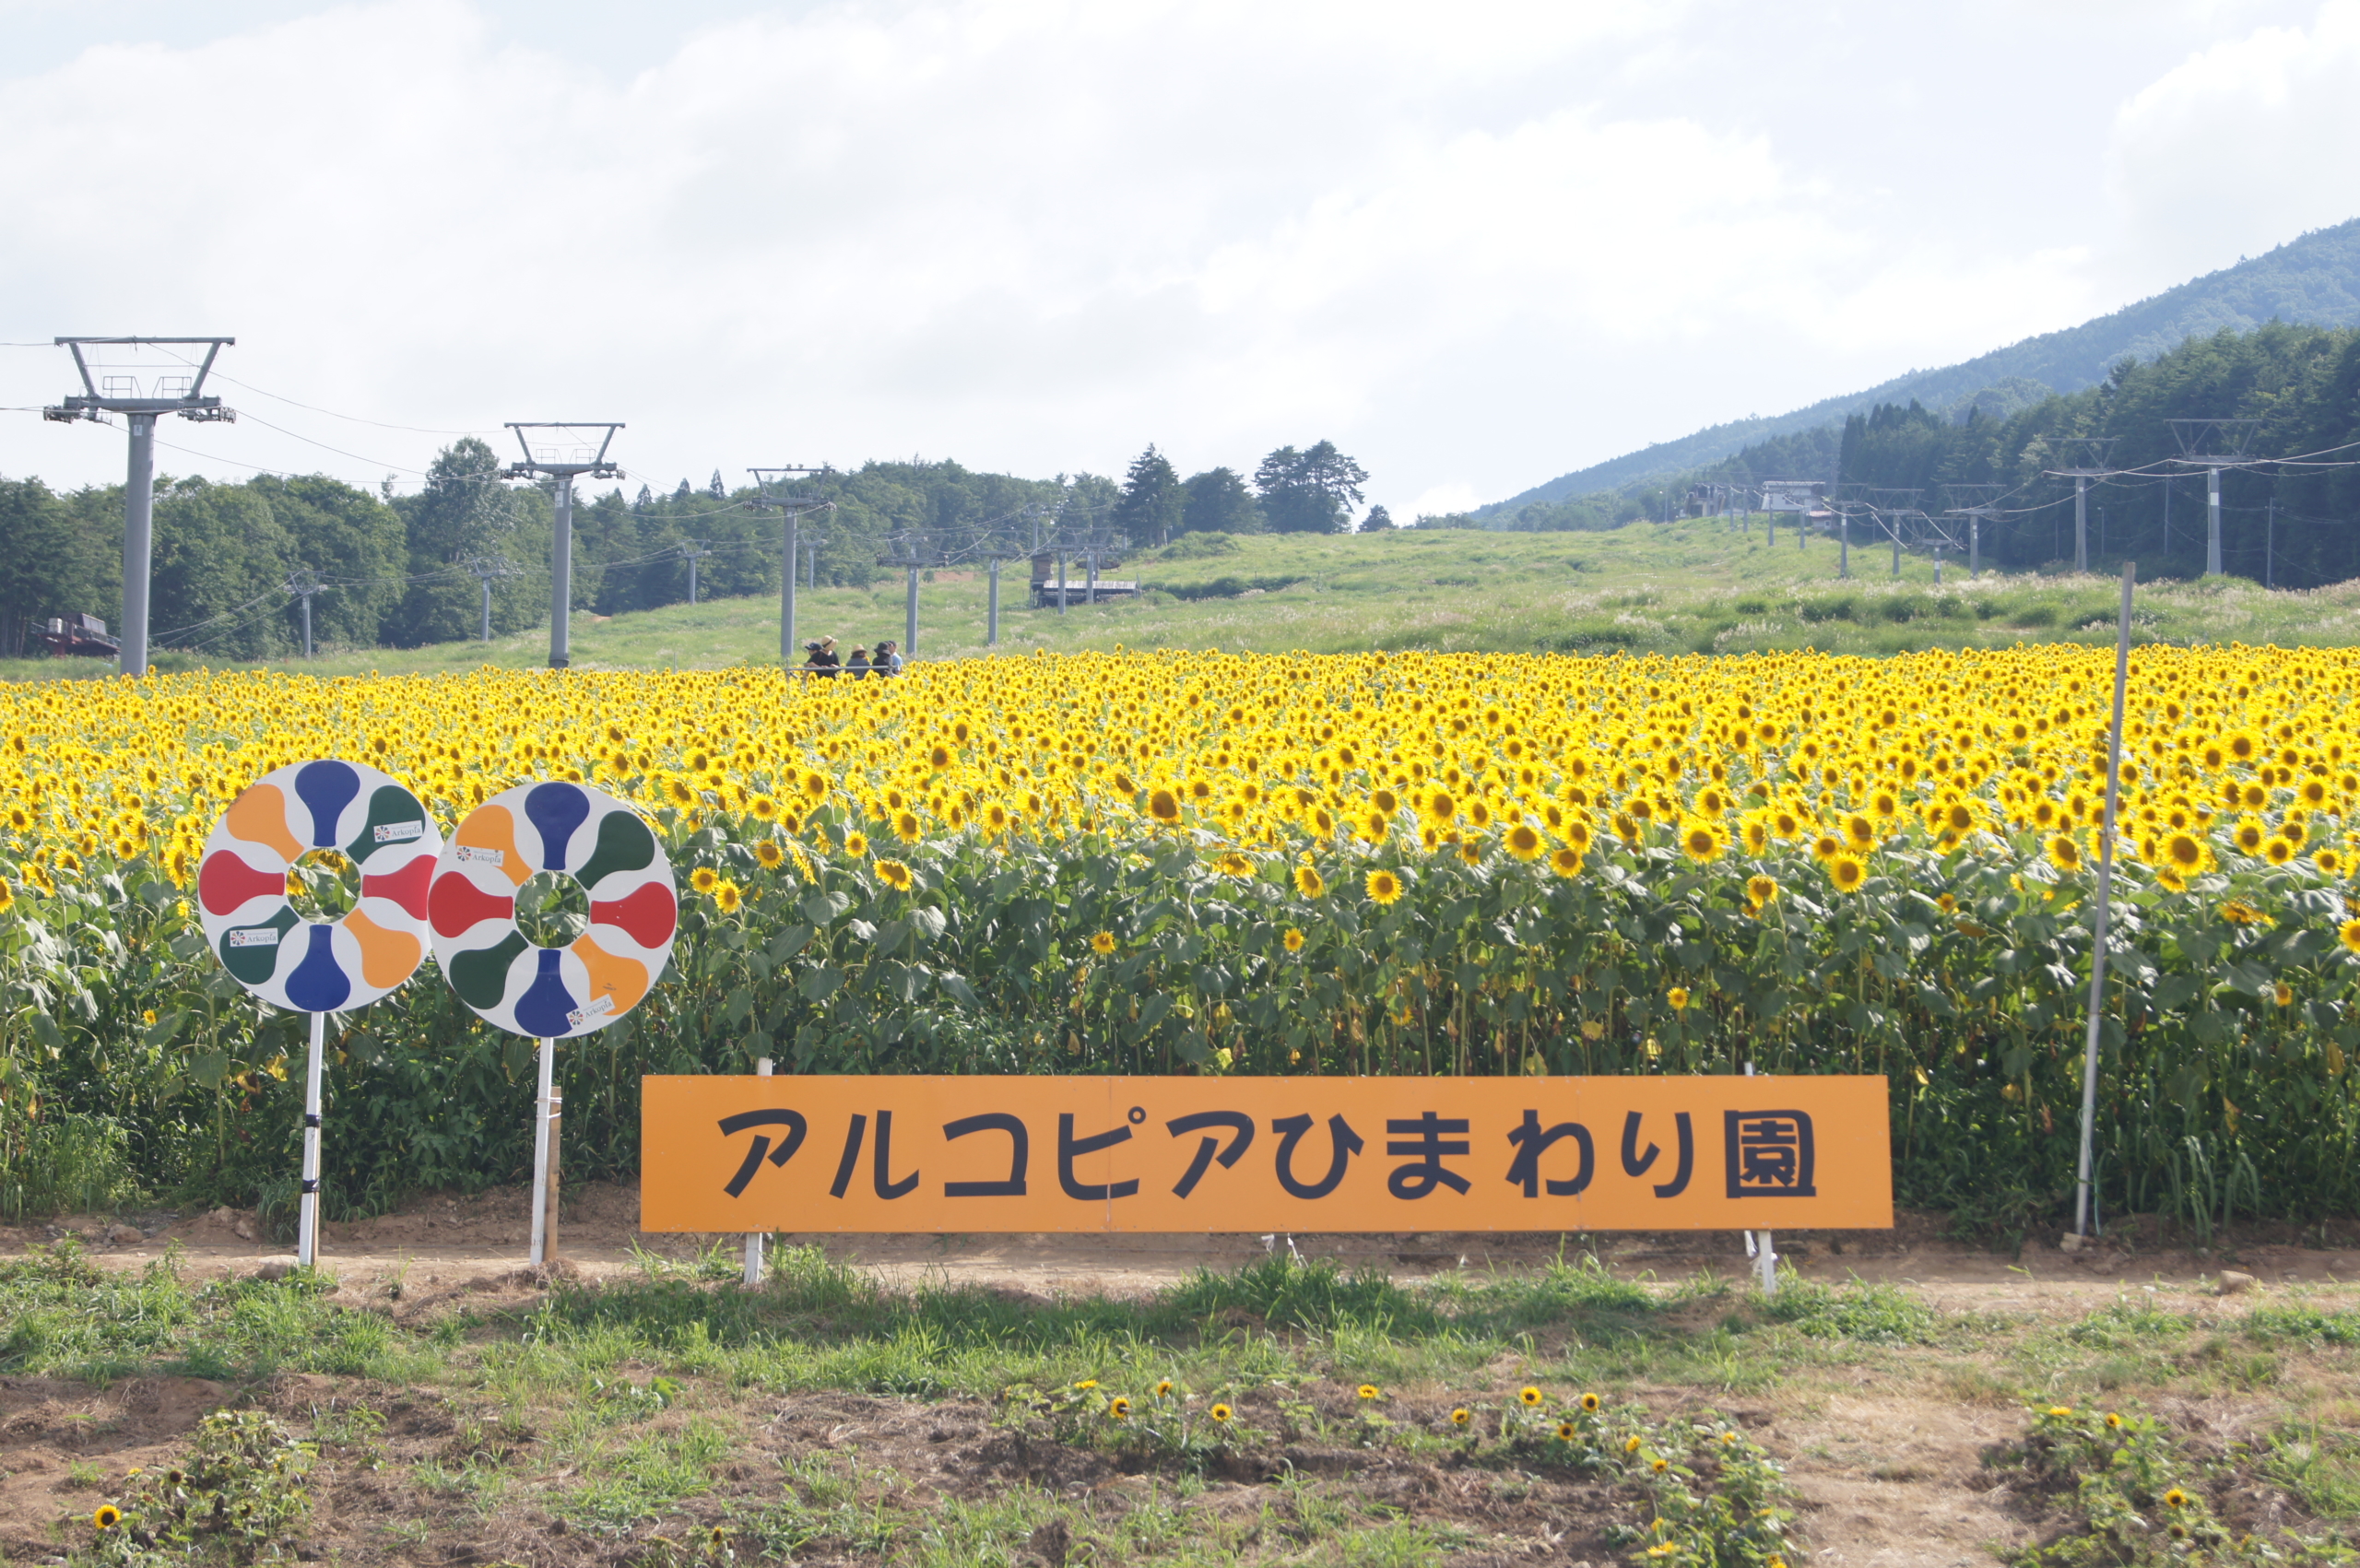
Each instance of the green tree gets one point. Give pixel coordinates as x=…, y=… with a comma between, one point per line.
x=1311, y=491
x=462, y=512
x=1152, y=500
x=1217, y=502
x=353, y=540
x=217, y=586
x=50, y=563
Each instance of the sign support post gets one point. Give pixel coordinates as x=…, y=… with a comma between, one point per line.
x=754, y=1238
x=1765, y=1257
x=307, y=1237
x=544, y=1153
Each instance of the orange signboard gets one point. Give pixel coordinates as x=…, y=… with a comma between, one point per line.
x=1260, y=1154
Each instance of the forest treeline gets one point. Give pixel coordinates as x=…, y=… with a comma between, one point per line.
x=402, y=570
x=2295, y=523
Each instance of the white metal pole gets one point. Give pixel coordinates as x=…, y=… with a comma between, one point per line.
x=138, y=534
x=1758, y=1247
x=561, y=579
x=754, y=1239
x=991, y=618
x=2212, y=526
x=541, y=1152
x=307, y=1232
x=2105, y=892
x=787, y=553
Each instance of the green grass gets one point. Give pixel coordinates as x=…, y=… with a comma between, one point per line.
x=646, y=1411
x=1691, y=586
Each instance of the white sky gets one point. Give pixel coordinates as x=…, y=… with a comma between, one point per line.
x=1477, y=245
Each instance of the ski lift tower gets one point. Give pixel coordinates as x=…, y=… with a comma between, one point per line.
x=1974, y=503
x=562, y=451
x=795, y=502
x=2085, y=459
x=120, y=393
x=2213, y=445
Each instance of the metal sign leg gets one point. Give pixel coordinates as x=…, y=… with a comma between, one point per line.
x=754, y=1241
x=307, y=1232
x=542, y=1111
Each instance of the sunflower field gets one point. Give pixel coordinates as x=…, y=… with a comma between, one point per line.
x=1199, y=863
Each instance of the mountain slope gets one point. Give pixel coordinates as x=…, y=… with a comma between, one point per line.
x=2314, y=280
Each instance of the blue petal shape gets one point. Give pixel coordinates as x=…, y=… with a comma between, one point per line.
x=541, y=1011
x=327, y=788
x=556, y=809
x=319, y=983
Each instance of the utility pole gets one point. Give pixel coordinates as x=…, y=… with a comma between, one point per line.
x=692, y=553
x=484, y=568
x=303, y=582
x=795, y=504
x=1843, y=546
x=180, y=395
x=2085, y=460
x=562, y=456
x=2201, y=444
x=2270, y=543
x=991, y=607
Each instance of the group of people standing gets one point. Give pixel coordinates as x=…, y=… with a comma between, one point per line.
x=820, y=658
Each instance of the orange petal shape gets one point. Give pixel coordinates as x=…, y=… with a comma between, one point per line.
x=624, y=979
x=387, y=958
x=491, y=827
x=259, y=816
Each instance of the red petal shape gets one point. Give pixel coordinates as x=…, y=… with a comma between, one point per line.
x=224, y=882
x=647, y=915
x=405, y=886
x=456, y=904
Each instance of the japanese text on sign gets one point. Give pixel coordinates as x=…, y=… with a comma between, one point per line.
x=1175, y=1154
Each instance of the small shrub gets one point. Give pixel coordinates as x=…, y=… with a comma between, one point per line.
x=240, y=1494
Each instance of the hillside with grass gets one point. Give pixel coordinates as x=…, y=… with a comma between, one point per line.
x=1692, y=586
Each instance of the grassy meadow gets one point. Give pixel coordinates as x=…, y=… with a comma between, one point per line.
x=1691, y=586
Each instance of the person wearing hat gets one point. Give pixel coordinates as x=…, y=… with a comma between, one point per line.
x=889, y=658
x=821, y=656
x=857, y=666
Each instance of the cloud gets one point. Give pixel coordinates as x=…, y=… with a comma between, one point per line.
x=2242, y=146
x=1032, y=234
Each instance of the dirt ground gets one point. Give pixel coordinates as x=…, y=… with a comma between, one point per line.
x=448, y=1242
x=1888, y=1477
